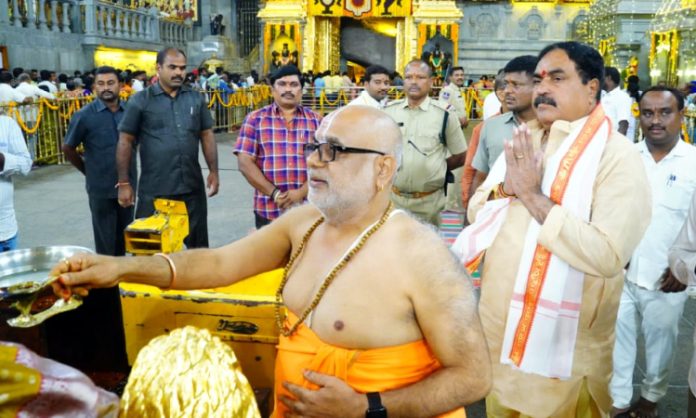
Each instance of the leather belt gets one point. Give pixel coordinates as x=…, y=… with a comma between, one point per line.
x=412, y=195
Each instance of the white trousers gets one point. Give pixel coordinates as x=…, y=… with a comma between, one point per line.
x=657, y=313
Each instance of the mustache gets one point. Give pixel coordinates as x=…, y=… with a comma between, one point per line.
x=290, y=95
x=656, y=126
x=177, y=78
x=544, y=100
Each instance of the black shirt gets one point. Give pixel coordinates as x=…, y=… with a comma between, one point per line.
x=168, y=133
x=95, y=126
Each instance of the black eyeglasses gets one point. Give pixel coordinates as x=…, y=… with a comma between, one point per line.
x=327, y=151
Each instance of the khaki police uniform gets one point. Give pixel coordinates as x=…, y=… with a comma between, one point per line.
x=419, y=182
x=453, y=95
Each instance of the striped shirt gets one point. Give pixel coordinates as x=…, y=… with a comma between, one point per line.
x=17, y=160
x=277, y=147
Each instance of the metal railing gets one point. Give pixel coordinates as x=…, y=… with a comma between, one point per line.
x=326, y=100
x=229, y=109
x=45, y=122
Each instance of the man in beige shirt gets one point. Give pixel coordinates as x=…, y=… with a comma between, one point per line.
x=567, y=86
x=428, y=149
x=682, y=263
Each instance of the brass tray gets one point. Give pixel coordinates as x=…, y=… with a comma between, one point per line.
x=24, y=274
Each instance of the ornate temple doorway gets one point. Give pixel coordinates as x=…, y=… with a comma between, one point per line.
x=367, y=42
x=347, y=35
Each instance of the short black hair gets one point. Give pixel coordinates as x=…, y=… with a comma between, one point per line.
x=375, y=69
x=588, y=62
x=452, y=70
x=285, y=71
x=522, y=64
x=108, y=70
x=17, y=71
x=45, y=75
x=612, y=73
x=161, y=55
x=678, y=95
x=6, y=77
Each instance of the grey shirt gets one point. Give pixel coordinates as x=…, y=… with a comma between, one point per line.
x=494, y=132
x=168, y=131
x=95, y=126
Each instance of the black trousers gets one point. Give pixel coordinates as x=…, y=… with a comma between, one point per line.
x=260, y=221
x=91, y=337
x=109, y=220
x=197, y=207
x=692, y=404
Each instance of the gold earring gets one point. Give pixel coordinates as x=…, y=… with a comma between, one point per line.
x=380, y=187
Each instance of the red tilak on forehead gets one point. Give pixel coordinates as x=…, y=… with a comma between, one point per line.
x=543, y=73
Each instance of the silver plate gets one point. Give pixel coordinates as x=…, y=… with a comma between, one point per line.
x=27, y=270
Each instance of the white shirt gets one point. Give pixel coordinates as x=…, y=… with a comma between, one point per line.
x=682, y=262
x=672, y=182
x=9, y=94
x=17, y=160
x=365, y=99
x=617, y=106
x=491, y=105
x=137, y=85
x=51, y=87
x=34, y=92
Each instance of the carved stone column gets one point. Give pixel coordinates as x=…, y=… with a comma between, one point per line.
x=90, y=16
x=16, y=19
x=109, y=27
x=66, y=17
x=54, y=16
x=118, y=29
x=42, y=15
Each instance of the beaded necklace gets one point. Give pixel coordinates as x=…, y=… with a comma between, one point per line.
x=327, y=281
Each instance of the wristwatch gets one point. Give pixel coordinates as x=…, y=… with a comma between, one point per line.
x=375, y=409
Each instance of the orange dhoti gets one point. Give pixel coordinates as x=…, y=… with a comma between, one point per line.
x=374, y=370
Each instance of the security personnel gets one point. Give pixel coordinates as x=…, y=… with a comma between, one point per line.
x=433, y=143
x=452, y=94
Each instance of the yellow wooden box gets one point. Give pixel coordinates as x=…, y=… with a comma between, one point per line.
x=242, y=315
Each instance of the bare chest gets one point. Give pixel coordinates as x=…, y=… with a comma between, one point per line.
x=354, y=304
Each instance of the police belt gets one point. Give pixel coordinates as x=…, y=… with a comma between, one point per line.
x=412, y=195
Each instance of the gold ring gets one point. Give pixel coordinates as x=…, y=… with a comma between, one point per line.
x=67, y=263
x=519, y=157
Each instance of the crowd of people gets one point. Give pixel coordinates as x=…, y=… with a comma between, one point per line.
x=581, y=236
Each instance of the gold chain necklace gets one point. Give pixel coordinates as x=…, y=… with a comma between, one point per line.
x=327, y=281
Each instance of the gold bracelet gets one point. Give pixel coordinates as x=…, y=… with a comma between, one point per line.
x=501, y=191
x=172, y=268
